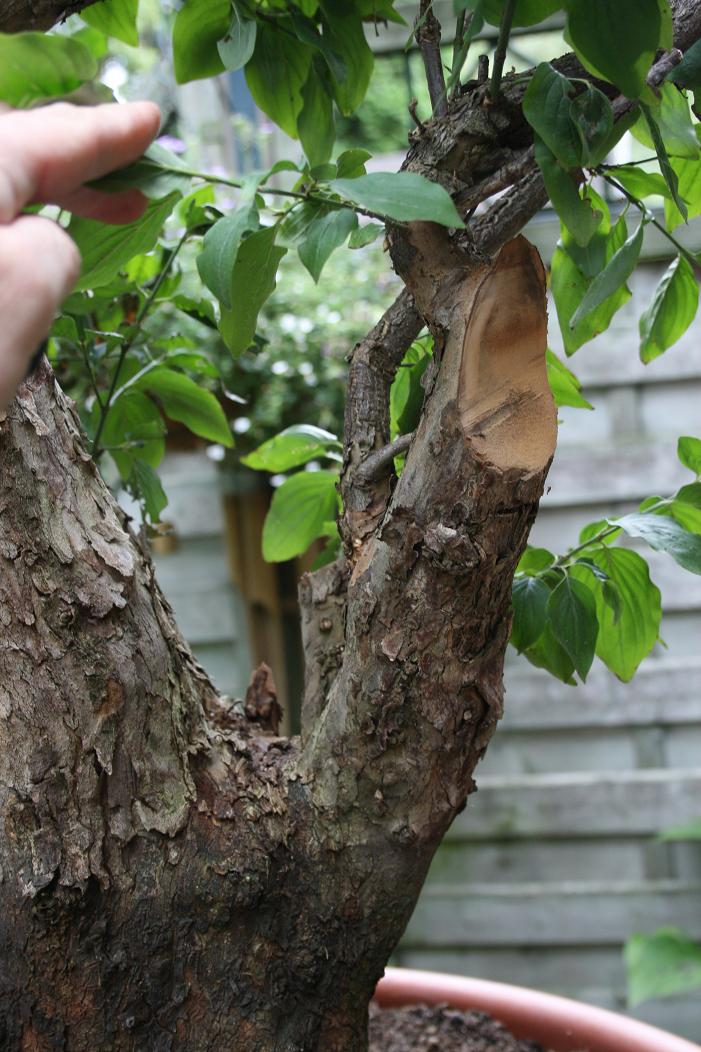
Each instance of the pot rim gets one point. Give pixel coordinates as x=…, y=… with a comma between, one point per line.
x=556, y=1022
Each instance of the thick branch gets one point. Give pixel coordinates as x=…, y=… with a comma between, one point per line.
x=21, y=15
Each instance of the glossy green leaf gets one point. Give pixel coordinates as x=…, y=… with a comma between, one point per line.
x=307, y=31
x=629, y=630
x=134, y=429
x=673, y=119
x=277, y=73
x=294, y=446
x=592, y=116
x=534, y=560
x=157, y=174
x=640, y=183
x=569, y=286
x=575, y=212
x=343, y=28
x=664, y=535
x=592, y=529
x=573, y=621
x=546, y=106
x=327, y=232
x=114, y=18
x=351, y=163
x=688, y=175
x=616, y=42
x=689, y=453
x=365, y=235
x=147, y=486
x=184, y=400
x=406, y=394
x=106, y=248
x=220, y=250
x=315, y=123
x=662, y=964
x=686, y=507
x=198, y=28
x=688, y=73
x=548, y=654
x=299, y=510
x=237, y=46
x=671, y=312
x=529, y=599
x=253, y=280
x=37, y=66
x=564, y=385
x=612, y=278
x=405, y=196
x=668, y=172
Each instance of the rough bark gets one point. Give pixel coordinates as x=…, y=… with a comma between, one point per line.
x=21, y=15
x=174, y=875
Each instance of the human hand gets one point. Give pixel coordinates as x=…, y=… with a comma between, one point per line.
x=47, y=155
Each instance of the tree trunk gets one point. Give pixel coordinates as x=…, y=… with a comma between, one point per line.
x=23, y=15
x=173, y=876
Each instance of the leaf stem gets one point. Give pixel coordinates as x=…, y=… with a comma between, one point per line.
x=129, y=343
x=650, y=216
x=500, y=53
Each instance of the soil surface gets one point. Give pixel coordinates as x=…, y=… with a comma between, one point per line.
x=441, y=1029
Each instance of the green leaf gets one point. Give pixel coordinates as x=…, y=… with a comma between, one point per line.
x=590, y=531
x=668, y=172
x=575, y=212
x=106, y=248
x=134, y=418
x=187, y=402
x=629, y=630
x=688, y=176
x=237, y=46
x=294, y=446
x=36, y=66
x=405, y=196
x=616, y=42
x=664, y=535
x=687, y=831
x=534, y=560
x=547, y=108
x=547, y=653
x=327, y=232
x=640, y=183
x=573, y=621
x=220, y=250
x=529, y=598
x=147, y=486
x=365, y=235
x=277, y=73
x=689, y=453
x=406, y=393
x=569, y=286
x=351, y=163
x=673, y=120
x=199, y=26
x=688, y=73
x=686, y=507
x=592, y=116
x=564, y=385
x=671, y=312
x=315, y=124
x=527, y=12
x=308, y=33
x=253, y=280
x=343, y=27
x=662, y=964
x=114, y=18
x=612, y=278
x=157, y=174
x=299, y=510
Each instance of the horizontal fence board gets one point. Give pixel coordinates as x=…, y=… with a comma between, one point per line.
x=551, y=914
x=209, y=617
x=196, y=565
x=528, y=861
x=193, y=486
x=664, y=692
x=599, y=474
x=580, y=805
x=227, y=665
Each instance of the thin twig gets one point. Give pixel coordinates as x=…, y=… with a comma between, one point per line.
x=500, y=53
x=428, y=38
x=381, y=463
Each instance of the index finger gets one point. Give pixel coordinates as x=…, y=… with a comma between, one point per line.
x=47, y=154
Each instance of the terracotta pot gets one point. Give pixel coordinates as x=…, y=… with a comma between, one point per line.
x=556, y=1022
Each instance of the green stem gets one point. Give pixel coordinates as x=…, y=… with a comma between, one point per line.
x=650, y=216
x=461, y=47
x=500, y=53
x=607, y=531
x=129, y=343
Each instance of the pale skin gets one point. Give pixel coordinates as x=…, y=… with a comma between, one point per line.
x=47, y=155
